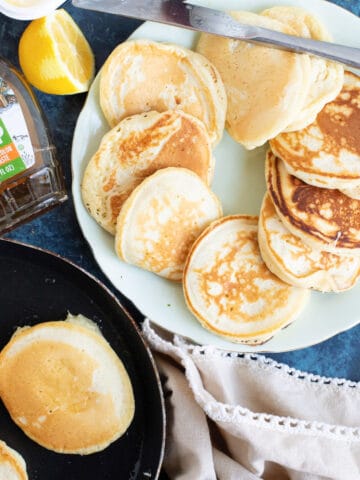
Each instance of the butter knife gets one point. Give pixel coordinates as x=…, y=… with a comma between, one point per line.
x=216, y=22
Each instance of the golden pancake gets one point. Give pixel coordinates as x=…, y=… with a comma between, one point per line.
x=65, y=387
x=303, y=22
x=137, y=147
x=324, y=219
x=327, y=77
x=266, y=87
x=162, y=218
x=298, y=264
x=12, y=464
x=327, y=152
x=229, y=289
x=142, y=75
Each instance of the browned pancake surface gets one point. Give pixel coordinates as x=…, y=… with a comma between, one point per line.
x=331, y=144
x=322, y=215
x=139, y=146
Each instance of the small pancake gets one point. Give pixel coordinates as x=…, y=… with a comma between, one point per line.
x=327, y=77
x=256, y=114
x=296, y=263
x=12, y=464
x=230, y=290
x=65, y=387
x=323, y=218
x=327, y=152
x=142, y=75
x=137, y=147
x=161, y=220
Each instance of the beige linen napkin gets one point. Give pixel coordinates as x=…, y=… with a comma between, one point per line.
x=242, y=416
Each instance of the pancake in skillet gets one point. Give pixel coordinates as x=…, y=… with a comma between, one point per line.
x=65, y=387
x=327, y=152
x=323, y=218
x=230, y=290
x=162, y=218
x=326, y=77
x=142, y=75
x=266, y=87
x=298, y=264
x=12, y=465
x=137, y=147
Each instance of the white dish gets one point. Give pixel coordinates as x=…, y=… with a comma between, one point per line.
x=239, y=183
x=29, y=10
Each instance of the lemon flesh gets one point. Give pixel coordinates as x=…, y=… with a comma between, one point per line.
x=55, y=56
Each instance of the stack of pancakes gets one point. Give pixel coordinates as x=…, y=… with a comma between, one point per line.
x=270, y=91
x=309, y=230
x=148, y=184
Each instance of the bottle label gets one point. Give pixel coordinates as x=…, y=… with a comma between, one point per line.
x=16, y=151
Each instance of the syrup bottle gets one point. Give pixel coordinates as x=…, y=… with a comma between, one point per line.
x=31, y=181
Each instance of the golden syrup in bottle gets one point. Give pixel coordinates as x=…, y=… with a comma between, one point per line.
x=31, y=181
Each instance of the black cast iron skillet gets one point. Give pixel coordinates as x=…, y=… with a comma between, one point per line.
x=37, y=286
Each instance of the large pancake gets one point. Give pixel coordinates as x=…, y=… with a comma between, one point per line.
x=327, y=152
x=12, y=464
x=298, y=264
x=137, y=147
x=142, y=75
x=161, y=220
x=266, y=87
x=323, y=218
x=230, y=290
x=65, y=387
x=326, y=77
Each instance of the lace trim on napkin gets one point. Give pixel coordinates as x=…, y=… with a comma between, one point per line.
x=268, y=364
x=182, y=351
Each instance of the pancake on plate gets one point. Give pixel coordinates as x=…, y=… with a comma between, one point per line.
x=305, y=24
x=12, y=464
x=327, y=152
x=323, y=218
x=134, y=149
x=162, y=218
x=327, y=77
x=298, y=264
x=65, y=387
x=266, y=87
x=352, y=192
x=143, y=75
x=229, y=288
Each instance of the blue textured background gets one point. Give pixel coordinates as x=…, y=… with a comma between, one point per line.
x=58, y=230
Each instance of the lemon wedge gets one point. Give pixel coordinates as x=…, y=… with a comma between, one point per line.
x=55, y=56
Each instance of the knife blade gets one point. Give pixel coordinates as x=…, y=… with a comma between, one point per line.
x=216, y=22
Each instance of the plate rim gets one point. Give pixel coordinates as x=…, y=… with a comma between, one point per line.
x=129, y=318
